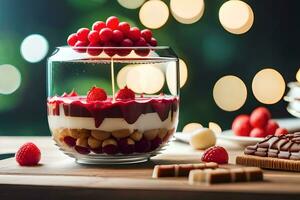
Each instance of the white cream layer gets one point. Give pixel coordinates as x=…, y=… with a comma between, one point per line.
x=144, y=122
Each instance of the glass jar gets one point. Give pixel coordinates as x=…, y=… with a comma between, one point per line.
x=115, y=129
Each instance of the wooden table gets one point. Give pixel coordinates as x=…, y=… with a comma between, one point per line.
x=59, y=177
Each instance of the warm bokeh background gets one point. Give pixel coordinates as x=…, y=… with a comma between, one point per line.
x=209, y=51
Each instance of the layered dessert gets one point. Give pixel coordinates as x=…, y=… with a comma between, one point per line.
x=101, y=124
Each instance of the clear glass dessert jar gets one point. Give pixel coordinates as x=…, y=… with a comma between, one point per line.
x=109, y=105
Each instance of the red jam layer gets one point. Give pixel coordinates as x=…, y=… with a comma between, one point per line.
x=130, y=110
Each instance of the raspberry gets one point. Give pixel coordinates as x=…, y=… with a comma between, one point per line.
x=96, y=94
x=125, y=94
x=112, y=22
x=81, y=46
x=215, y=154
x=93, y=37
x=146, y=34
x=82, y=34
x=110, y=51
x=28, y=155
x=258, y=132
x=259, y=117
x=153, y=42
x=271, y=127
x=105, y=34
x=134, y=34
x=72, y=39
x=281, y=131
x=93, y=50
x=117, y=36
x=141, y=43
x=124, y=27
x=73, y=94
x=97, y=26
x=125, y=43
x=241, y=125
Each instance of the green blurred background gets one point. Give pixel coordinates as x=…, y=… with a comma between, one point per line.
x=209, y=51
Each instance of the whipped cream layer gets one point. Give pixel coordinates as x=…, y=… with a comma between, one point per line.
x=145, y=122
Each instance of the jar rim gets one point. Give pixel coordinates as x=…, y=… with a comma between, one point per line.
x=131, y=47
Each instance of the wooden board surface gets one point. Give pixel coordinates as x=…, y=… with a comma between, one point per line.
x=58, y=173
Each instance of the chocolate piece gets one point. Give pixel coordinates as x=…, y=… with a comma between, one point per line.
x=180, y=170
x=238, y=175
x=276, y=146
x=253, y=173
x=163, y=171
x=225, y=175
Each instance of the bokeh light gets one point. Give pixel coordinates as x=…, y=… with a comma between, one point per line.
x=236, y=16
x=187, y=11
x=268, y=86
x=10, y=79
x=191, y=127
x=34, y=48
x=131, y=4
x=154, y=14
x=215, y=127
x=298, y=76
x=230, y=93
x=122, y=76
x=145, y=79
x=171, y=75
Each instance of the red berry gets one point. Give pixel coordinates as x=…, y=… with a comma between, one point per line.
x=125, y=94
x=93, y=37
x=264, y=110
x=96, y=94
x=73, y=94
x=134, y=34
x=70, y=141
x=28, y=155
x=82, y=34
x=125, y=43
x=72, y=39
x=110, y=51
x=81, y=46
x=117, y=36
x=106, y=34
x=94, y=49
x=146, y=34
x=215, y=154
x=112, y=22
x=241, y=125
x=97, y=26
x=124, y=27
x=141, y=43
x=259, y=117
x=257, y=132
x=271, y=127
x=153, y=42
x=281, y=131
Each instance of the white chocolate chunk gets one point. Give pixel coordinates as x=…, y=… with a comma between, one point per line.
x=202, y=138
